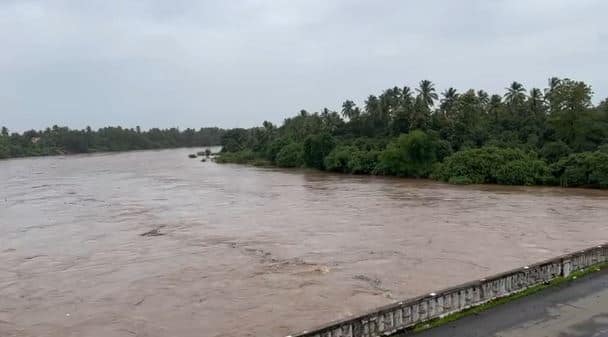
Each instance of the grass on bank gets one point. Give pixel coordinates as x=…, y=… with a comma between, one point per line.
x=436, y=322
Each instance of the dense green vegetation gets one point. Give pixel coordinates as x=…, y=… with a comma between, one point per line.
x=62, y=140
x=553, y=136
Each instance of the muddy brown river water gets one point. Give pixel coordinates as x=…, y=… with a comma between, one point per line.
x=242, y=251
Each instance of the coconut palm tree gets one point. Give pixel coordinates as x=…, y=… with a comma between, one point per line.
x=516, y=93
x=553, y=82
x=447, y=102
x=372, y=104
x=484, y=97
x=348, y=109
x=426, y=91
x=535, y=98
x=550, y=93
x=407, y=99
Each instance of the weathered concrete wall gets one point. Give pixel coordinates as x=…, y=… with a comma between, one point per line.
x=398, y=316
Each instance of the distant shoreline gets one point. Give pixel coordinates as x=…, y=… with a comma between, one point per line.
x=65, y=141
x=73, y=154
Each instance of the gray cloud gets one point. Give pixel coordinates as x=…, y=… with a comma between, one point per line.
x=236, y=63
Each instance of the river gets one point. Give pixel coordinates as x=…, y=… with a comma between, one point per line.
x=231, y=250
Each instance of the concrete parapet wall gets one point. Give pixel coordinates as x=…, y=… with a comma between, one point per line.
x=394, y=317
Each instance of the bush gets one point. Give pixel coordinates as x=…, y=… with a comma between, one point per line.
x=491, y=165
x=582, y=169
x=364, y=162
x=460, y=180
x=316, y=148
x=339, y=158
x=290, y=155
x=368, y=144
x=260, y=162
x=349, y=159
x=522, y=172
x=411, y=155
x=444, y=149
x=553, y=151
x=274, y=147
x=234, y=140
x=5, y=151
x=240, y=157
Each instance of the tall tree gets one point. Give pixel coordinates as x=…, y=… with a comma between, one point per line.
x=401, y=118
x=426, y=91
x=553, y=83
x=447, y=101
x=570, y=112
x=516, y=94
x=536, y=105
x=348, y=109
x=372, y=105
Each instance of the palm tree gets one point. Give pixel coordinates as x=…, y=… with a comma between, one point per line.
x=536, y=102
x=550, y=93
x=372, y=104
x=554, y=82
x=406, y=97
x=536, y=96
x=426, y=91
x=348, y=109
x=484, y=97
x=516, y=93
x=494, y=106
x=447, y=102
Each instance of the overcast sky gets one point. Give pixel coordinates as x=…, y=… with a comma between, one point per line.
x=190, y=63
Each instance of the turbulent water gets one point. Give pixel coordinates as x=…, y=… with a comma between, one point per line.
x=155, y=244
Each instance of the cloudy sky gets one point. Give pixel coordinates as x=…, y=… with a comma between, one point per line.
x=192, y=63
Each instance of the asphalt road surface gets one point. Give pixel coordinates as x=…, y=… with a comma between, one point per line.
x=576, y=309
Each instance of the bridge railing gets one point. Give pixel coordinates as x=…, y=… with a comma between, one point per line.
x=401, y=315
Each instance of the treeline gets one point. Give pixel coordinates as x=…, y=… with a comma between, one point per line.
x=62, y=140
x=552, y=136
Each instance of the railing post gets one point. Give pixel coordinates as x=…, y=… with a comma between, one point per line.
x=566, y=266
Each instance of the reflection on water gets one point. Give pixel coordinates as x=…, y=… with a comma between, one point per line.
x=240, y=251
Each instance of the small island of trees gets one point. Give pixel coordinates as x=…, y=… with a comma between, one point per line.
x=554, y=136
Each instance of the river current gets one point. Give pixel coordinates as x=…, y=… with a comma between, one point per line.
x=153, y=243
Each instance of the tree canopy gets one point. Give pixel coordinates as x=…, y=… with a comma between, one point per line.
x=62, y=140
x=553, y=135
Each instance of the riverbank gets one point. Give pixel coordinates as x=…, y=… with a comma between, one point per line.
x=558, y=138
x=63, y=140
x=92, y=152
x=488, y=165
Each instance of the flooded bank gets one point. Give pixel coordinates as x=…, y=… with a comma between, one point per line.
x=153, y=243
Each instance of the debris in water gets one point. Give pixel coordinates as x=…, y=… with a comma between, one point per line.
x=154, y=232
